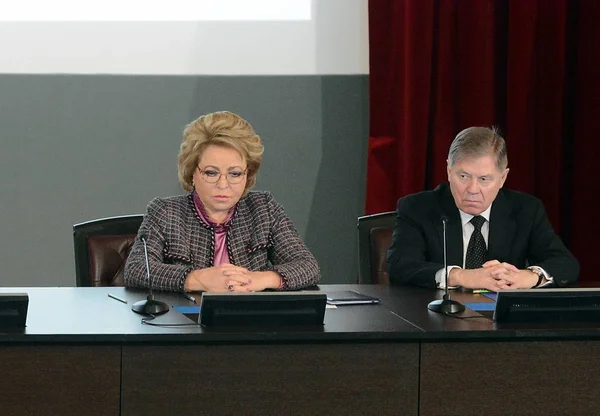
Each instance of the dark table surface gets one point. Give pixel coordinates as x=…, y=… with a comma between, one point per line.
x=68, y=314
x=411, y=304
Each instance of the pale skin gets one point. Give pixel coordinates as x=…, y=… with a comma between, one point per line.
x=218, y=198
x=475, y=183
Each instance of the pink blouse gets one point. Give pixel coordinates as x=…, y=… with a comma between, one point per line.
x=220, y=255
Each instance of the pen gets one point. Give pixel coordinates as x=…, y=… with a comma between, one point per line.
x=480, y=291
x=110, y=295
x=190, y=298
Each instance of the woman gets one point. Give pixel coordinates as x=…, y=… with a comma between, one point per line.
x=220, y=237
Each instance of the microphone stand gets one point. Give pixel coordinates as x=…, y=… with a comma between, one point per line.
x=446, y=305
x=150, y=306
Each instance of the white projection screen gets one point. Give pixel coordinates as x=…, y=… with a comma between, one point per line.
x=156, y=10
x=184, y=37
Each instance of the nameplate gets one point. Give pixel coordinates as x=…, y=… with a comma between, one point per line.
x=548, y=305
x=262, y=308
x=13, y=310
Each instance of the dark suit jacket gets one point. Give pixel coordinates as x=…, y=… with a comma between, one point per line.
x=520, y=234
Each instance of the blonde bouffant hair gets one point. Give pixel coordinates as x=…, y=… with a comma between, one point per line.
x=221, y=128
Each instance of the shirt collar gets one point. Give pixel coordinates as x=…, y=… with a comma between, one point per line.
x=204, y=217
x=465, y=218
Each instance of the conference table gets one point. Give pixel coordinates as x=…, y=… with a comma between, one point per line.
x=83, y=352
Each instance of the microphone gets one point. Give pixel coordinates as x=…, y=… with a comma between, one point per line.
x=446, y=305
x=149, y=306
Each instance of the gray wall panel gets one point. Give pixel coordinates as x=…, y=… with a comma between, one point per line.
x=74, y=148
x=339, y=193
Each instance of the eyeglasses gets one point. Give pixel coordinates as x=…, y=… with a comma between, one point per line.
x=214, y=176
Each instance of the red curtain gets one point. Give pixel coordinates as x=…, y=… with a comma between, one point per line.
x=530, y=67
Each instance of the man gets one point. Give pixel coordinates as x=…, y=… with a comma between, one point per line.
x=497, y=238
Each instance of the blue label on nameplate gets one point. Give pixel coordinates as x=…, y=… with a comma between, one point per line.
x=481, y=306
x=491, y=296
x=187, y=310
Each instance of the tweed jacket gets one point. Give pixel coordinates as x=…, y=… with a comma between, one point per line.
x=260, y=238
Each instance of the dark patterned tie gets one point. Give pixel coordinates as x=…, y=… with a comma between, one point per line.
x=477, y=251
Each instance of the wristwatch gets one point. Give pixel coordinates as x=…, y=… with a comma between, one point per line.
x=540, y=274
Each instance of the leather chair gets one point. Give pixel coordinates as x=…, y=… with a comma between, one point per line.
x=102, y=247
x=374, y=239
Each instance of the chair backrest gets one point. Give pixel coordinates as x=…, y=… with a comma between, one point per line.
x=102, y=247
x=374, y=239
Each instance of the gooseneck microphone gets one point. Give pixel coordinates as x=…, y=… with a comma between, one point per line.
x=149, y=306
x=446, y=305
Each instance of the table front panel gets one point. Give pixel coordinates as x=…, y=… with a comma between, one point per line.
x=59, y=380
x=510, y=378
x=280, y=379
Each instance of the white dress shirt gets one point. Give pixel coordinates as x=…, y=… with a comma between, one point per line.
x=467, y=231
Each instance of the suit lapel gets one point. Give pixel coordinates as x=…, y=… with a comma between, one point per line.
x=502, y=229
x=453, y=230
